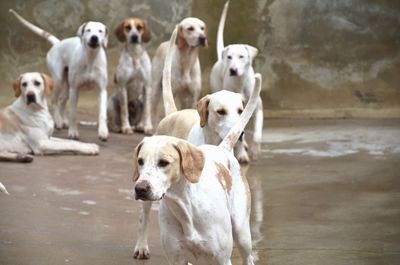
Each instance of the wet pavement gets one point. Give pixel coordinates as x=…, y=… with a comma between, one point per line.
x=324, y=192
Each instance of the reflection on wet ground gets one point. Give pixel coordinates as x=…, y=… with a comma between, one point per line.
x=323, y=192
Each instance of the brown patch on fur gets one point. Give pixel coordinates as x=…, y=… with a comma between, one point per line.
x=119, y=31
x=224, y=177
x=17, y=86
x=248, y=195
x=192, y=160
x=145, y=31
x=180, y=39
x=81, y=29
x=135, y=166
x=48, y=83
x=202, y=109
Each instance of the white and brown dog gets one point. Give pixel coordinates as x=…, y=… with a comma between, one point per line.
x=196, y=185
x=132, y=79
x=74, y=63
x=234, y=72
x=186, y=72
x=209, y=124
x=26, y=126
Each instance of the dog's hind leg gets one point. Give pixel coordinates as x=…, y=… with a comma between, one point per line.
x=258, y=127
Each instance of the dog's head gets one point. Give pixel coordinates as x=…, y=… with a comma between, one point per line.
x=133, y=30
x=32, y=87
x=218, y=113
x=93, y=34
x=238, y=58
x=192, y=32
x=161, y=161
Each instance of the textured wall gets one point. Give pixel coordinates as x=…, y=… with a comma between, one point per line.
x=318, y=57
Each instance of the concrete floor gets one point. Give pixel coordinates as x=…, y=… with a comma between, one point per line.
x=324, y=192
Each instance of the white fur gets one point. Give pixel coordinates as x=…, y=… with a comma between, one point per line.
x=27, y=126
x=186, y=72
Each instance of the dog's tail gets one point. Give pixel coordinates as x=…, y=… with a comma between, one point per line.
x=220, y=33
x=234, y=133
x=38, y=31
x=3, y=189
x=168, y=97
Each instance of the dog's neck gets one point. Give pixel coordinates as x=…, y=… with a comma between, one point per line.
x=187, y=58
x=91, y=55
x=135, y=51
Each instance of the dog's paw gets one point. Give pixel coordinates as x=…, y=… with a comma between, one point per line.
x=92, y=149
x=148, y=130
x=127, y=130
x=103, y=133
x=73, y=134
x=141, y=252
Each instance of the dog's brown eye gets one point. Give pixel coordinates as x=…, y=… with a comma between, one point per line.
x=240, y=111
x=221, y=112
x=191, y=28
x=128, y=28
x=163, y=163
x=100, y=31
x=202, y=28
x=139, y=27
x=36, y=83
x=229, y=57
x=241, y=56
x=24, y=84
x=140, y=162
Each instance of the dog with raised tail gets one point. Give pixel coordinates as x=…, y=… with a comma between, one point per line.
x=198, y=185
x=75, y=63
x=234, y=72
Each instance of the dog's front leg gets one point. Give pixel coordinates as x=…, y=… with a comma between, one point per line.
x=62, y=146
x=73, y=101
x=123, y=100
x=146, y=117
x=142, y=248
x=102, y=102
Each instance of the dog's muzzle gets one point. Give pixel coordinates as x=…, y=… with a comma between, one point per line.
x=134, y=39
x=203, y=41
x=94, y=42
x=142, y=191
x=30, y=98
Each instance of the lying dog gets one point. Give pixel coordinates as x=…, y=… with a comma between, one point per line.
x=132, y=78
x=196, y=186
x=26, y=126
x=214, y=117
x=74, y=63
x=186, y=72
x=234, y=72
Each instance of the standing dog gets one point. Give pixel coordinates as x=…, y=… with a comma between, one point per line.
x=132, y=78
x=186, y=72
x=196, y=186
x=73, y=63
x=214, y=117
x=234, y=71
x=26, y=126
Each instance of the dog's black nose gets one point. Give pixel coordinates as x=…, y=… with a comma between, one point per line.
x=94, y=40
x=203, y=41
x=135, y=38
x=142, y=189
x=30, y=98
x=233, y=71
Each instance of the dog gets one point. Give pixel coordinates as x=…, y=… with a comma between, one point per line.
x=186, y=71
x=234, y=71
x=26, y=126
x=73, y=63
x=197, y=185
x=209, y=124
x=132, y=79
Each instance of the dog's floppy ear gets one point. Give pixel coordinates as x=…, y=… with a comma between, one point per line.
x=252, y=52
x=192, y=160
x=180, y=39
x=202, y=109
x=17, y=86
x=81, y=29
x=104, y=43
x=135, y=165
x=146, y=33
x=48, y=83
x=119, y=32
